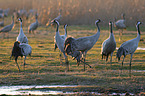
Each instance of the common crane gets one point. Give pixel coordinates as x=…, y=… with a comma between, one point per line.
x=129, y=47
x=21, y=49
x=60, y=43
x=2, y=22
x=120, y=25
x=62, y=36
x=33, y=26
x=109, y=45
x=83, y=44
x=8, y=28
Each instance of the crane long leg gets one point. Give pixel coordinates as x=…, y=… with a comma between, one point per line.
x=130, y=65
x=66, y=62
x=107, y=58
x=24, y=63
x=120, y=34
x=102, y=55
x=84, y=56
x=60, y=57
x=122, y=62
x=111, y=58
x=17, y=63
x=86, y=63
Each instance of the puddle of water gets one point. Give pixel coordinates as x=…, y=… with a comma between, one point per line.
x=14, y=90
x=138, y=48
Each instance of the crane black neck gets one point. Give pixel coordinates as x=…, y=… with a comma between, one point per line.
x=111, y=28
x=65, y=30
x=138, y=29
x=98, y=27
x=57, y=26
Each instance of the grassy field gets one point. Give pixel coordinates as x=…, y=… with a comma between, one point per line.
x=43, y=67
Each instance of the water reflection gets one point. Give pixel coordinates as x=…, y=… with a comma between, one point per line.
x=138, y=48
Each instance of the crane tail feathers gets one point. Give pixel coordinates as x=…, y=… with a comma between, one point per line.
x=69, y=45
x=119, y=52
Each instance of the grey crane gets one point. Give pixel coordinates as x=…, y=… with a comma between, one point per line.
x=6, y=12
x=109, y=45
x=33, y=26
x=62, y=36
x=83, y=44
x=22, y=37
x=1, y=15
x=120, y=24
x=8, y=28
x=2, y=22
x=129, y=47
x=60, y=43
x=21, y=49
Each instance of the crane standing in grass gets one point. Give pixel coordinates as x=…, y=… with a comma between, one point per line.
x=120, y=24
x=2, y=22
x=62, y=36
x=7, y=28
x=21, y=49
x=60, y=43
x=83, y=44
x=33, y=26
x=21, y=37
x=129, y=47
x=109, y=45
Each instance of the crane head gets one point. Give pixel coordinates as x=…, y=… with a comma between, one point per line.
x=65, y=25
x=20, y=19
x=110, y=23
x=138, y=23
x=97, y=21
x=54, y=22
x=17, y=43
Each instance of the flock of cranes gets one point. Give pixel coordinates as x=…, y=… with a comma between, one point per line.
x=75, y=47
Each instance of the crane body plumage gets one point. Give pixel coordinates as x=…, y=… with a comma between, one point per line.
x=83, y=44
x=120, y=24
x=22, y=37
x=129, y=47
x=109, y=45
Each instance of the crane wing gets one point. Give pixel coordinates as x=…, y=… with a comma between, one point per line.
x=26, y=48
